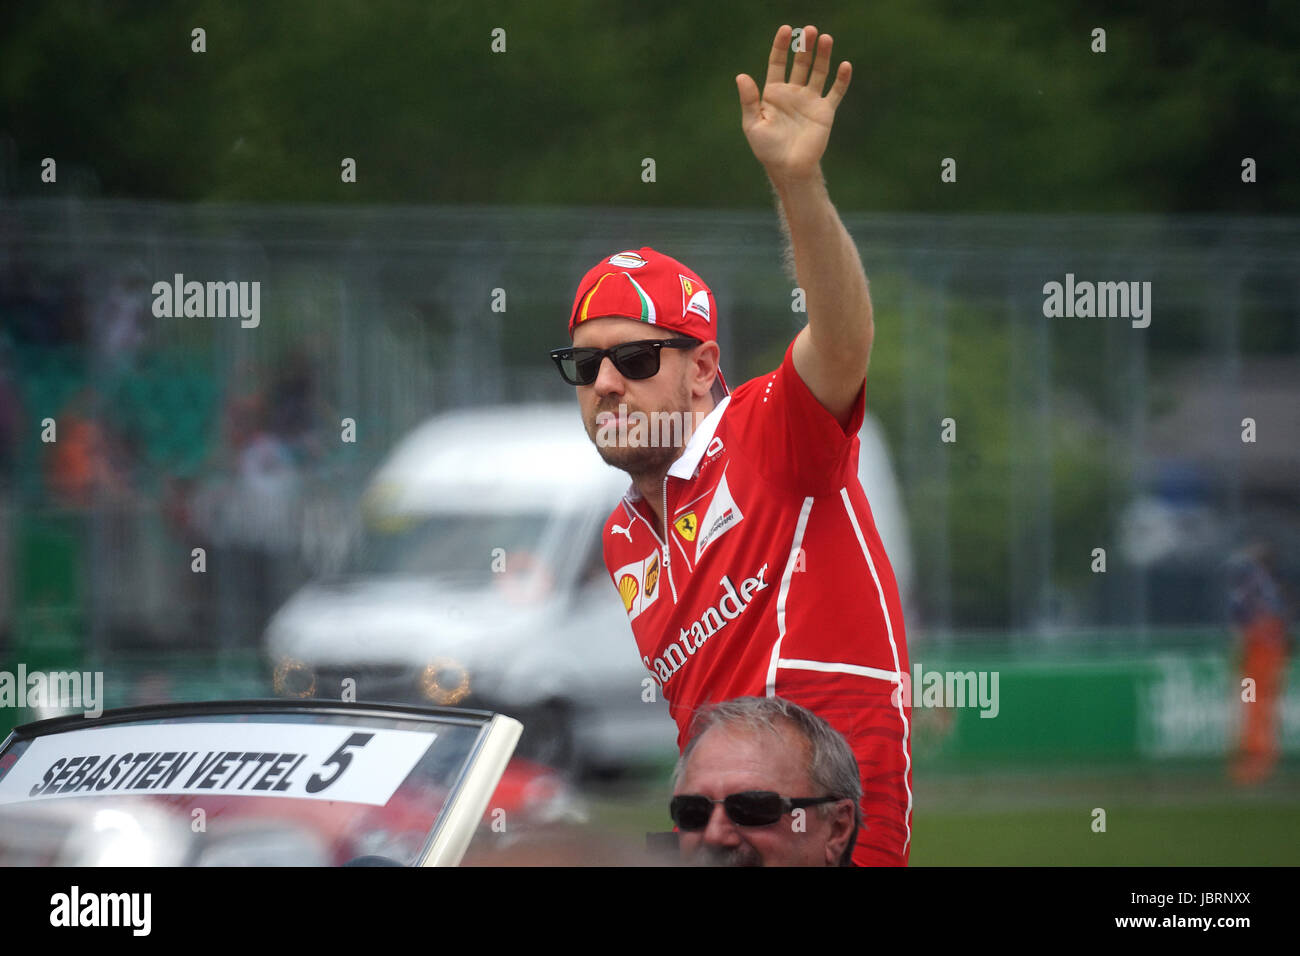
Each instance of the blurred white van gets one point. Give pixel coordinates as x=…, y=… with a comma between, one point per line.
x=478, y=581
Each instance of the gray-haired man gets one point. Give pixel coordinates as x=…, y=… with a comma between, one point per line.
x=752, y=770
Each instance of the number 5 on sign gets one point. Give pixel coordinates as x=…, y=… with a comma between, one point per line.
x=340, y=758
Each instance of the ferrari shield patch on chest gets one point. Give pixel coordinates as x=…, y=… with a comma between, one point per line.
x=686, y=525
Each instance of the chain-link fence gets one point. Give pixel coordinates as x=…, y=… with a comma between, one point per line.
x=1064, y=476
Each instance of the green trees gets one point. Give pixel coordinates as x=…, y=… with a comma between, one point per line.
x=580, y=96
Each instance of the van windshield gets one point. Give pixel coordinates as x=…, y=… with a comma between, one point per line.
x=461, y=546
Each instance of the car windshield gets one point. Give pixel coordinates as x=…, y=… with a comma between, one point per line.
x=458, y=546
x=233, y=789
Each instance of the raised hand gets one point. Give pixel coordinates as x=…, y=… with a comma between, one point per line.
x=789, y=126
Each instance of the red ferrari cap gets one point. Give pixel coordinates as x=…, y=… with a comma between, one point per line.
x=652, y=287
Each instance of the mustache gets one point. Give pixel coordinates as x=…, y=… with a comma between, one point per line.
x=613, y=406
x=709, y=855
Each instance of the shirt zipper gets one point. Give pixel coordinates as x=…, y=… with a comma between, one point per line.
x=663, y=542
x=668, y=557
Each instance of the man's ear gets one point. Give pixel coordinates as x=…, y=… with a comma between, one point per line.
x=704, y=368
x=841, y=831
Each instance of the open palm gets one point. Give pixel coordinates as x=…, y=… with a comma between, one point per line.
x=789, y=126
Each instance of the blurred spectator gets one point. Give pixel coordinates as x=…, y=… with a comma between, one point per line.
x=293, y=412
x=752, y=766
x=121, y=320
x=1259, y=617
x=249, y=515
x=243, y=414
x=87, y=463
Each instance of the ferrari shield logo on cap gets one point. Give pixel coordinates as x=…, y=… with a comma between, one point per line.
x=627, y=260
x=695, y=298
x=689, y=292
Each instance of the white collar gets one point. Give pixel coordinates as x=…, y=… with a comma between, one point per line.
x=685, y=465
x=689, y=459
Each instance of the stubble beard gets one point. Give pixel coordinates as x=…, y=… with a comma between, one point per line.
x=645, y=460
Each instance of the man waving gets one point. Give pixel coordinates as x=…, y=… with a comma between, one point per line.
x=745, y=550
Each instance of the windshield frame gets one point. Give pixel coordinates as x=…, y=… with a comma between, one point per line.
x=469, y=793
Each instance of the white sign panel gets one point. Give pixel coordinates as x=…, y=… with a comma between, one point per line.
x=310, y=761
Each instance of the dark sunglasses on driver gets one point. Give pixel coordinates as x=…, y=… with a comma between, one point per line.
x=633, y=360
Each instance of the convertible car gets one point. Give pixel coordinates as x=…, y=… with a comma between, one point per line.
x=263, y=783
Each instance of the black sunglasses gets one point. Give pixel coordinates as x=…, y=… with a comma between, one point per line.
x=634, y=360
x=753, y=808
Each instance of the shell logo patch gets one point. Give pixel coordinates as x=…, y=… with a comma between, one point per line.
x=627, y=590
x=638, y=583
x=686, y=525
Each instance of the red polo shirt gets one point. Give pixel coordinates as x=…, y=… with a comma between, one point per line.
x=770, y=579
